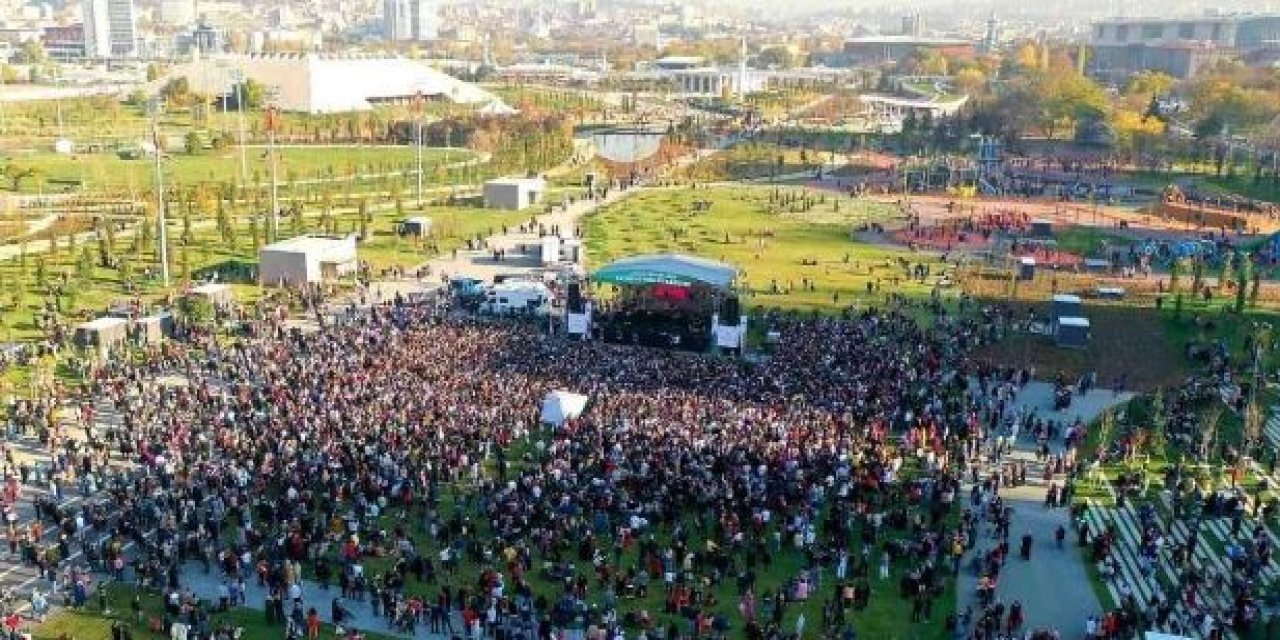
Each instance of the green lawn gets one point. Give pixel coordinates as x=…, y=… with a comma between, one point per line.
x=1263, y=189
x=89, y=291
x=769, y=242
x=754, y=160
x=1089, y=241
x=91, y=623
x=57, y=172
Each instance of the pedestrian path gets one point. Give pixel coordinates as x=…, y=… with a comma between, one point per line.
x=360, y=612
x=1053, y=586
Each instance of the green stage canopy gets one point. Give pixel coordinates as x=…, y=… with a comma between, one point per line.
x=666, y=268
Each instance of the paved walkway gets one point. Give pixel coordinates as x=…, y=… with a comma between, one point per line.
x=361, y=616
x=1054, y=585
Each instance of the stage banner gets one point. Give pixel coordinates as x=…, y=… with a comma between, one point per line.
x=730, y=337
x=576, y=323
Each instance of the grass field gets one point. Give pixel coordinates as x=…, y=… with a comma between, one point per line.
x=56, y=172
x=106, y=119
x=90, y=288
x=754, y=160
x=773, y=246
x=1089, y=241
x=91, y=623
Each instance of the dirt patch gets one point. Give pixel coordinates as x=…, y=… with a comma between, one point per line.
x=1127, y=342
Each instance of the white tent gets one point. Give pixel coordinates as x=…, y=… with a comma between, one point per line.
x=497, y=108
x=560, y=406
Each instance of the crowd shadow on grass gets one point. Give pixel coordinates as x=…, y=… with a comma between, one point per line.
x=91, y=623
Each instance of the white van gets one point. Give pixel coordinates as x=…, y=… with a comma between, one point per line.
x=519, y=297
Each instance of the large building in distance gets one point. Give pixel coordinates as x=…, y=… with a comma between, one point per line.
x=410, y=20
x=313, y=83
x=110, y=29
x=1178, y=46
x=895, y=48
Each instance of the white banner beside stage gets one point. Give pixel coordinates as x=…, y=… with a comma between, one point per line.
x=578, y=324
x=730, y=337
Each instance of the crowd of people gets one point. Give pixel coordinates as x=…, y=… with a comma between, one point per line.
x=399, y=460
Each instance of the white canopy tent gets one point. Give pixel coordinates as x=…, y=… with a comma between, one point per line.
x=497, y=108
x=560, y=406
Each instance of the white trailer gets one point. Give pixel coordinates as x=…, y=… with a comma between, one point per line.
x=550, y=253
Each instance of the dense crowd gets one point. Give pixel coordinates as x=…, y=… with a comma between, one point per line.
x=400, y=459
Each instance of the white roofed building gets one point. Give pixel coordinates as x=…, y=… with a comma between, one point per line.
x=315, y=83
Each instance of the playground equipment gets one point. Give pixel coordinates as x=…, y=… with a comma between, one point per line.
x=989, y=151
x=940, y=174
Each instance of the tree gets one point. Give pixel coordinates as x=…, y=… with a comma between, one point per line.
x=1146, y=85
x=1209, y=432
x=928, y=62
x=1135, y=132
x=16, y=174
x=146, y=235
x=1157, y=441
x=1027, y=56
x=1106, y=424
x=104, y=251
x=1257, y=284
x=32, y=52
x=1243, y=275
x=84, y=264
x=776, y=57
x=254, y=93
x=254, y=234
x=1067, y=97
x=1228, y=270
x=177, y=92
x=970, y=81
x=1253, y=424
x=195, y=310
x=42, y=273
x=125, y=267
x=184, y=264
x=222, y=141
x=1175, y=273
x=232, y=237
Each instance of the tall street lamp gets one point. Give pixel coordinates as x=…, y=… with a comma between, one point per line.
x=273, y=223
x=155, y=105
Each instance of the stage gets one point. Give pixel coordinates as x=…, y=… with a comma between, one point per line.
x=667, y=301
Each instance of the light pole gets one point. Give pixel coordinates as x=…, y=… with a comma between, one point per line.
x=273, y=222
x=162, y=231
x=240, y=97
x=417, y=141
x=418, y=152
x=2, y=102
